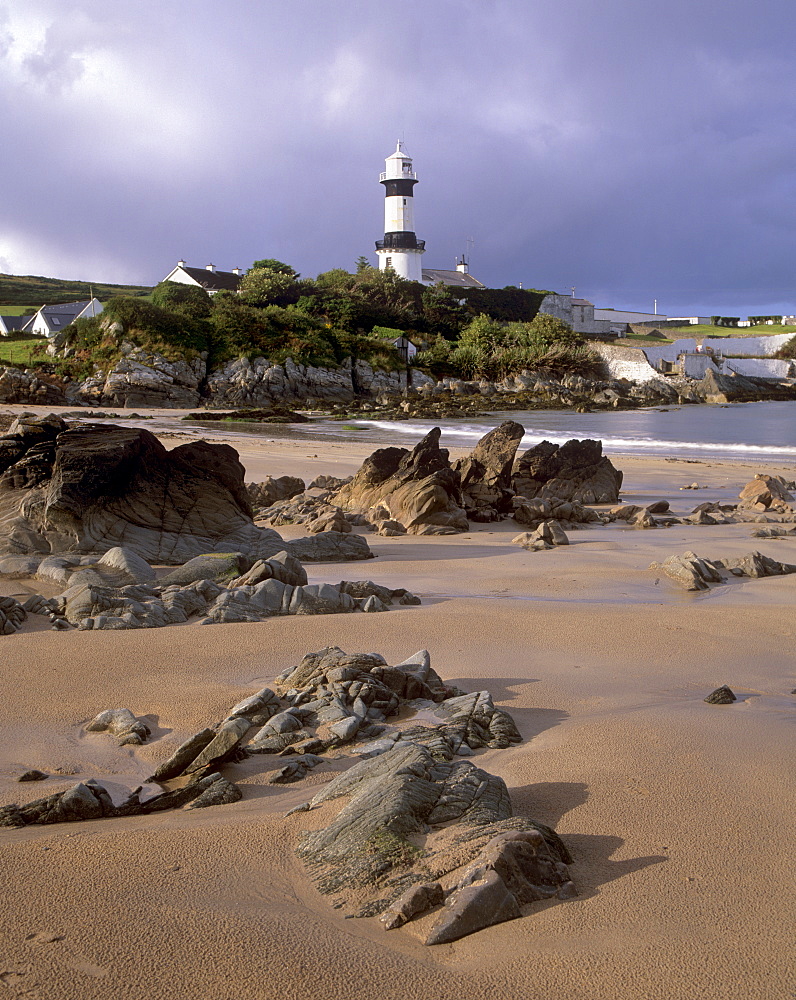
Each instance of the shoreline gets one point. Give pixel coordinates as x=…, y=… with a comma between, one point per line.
x=677, y=812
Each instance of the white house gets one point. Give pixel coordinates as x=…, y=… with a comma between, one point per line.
x=13, y=324
x=207, y=277
x=458, y=278
x=50, y=320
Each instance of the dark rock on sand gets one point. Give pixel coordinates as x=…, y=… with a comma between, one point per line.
x=721, y=696
x=417, y=488
x=485, y=474
x=577, y=471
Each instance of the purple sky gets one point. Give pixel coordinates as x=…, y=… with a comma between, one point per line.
x=633, y=150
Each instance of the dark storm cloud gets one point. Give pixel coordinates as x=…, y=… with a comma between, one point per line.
x=632, y=151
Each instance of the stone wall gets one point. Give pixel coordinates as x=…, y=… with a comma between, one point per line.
x=626, y=362
x=756, y=347
x=758, y=367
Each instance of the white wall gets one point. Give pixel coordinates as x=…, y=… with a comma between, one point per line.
x=406, y=263
x=753, y=346
x=757, y=367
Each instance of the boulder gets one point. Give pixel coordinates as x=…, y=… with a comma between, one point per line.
x=271, y=490
x=721, y=696
x=767, y=493
x=329, y=546
x=209, y=566
x=485, y=474
x=110, y=486
x=12, y=615
x=577, y=471
x=472, y=907
x=417, y=488
x=122, y=725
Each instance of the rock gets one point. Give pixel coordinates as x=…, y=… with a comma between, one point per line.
x=767, y=493
x=18, y=386
x=144, y=378
x=330, y=520
x=218, y=792
x=485, y=474
x=110, y=486
x=32, y=775
x=283, y=567
x=721, y=696
x=473, y=907
x=330, y=546
x=418, y=488
x=546, y=536
x=82, y=801
x=221, y=747
x=19, y=567
x=257, y=708
x=270, y=490
x=295, y=770
x=417, y=899
x=694, y=573
x=345, y=729
x=577, y=471
x=121, y=724
x=565, y=512
x=184, y=755
x=126, y=566
x=12, y=615
x=209, y=566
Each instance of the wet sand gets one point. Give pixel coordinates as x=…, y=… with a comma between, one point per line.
x=678, y=813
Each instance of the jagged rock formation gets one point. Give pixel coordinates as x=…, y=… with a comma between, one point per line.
x=565, y=513
x=271, y=490
x=717, y=388
x=577, y=471
x=546, y=536
x=12, y=615
x=768, y=493
x=485, y=474
x=142, y=378
x=418, y=489
x=92, y=488
x=478, y=866
x=26, y=387
x=695, y=573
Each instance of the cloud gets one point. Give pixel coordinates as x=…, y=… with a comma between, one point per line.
x=628, y=150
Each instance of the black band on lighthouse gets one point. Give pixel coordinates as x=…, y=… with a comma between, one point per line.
x=400, y=241
x=401, y=188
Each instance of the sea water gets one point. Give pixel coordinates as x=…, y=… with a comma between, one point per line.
x=754, y=432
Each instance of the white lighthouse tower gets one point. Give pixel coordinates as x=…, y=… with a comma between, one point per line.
x=400, y=249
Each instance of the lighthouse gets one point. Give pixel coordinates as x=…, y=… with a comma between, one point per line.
x=400, y=250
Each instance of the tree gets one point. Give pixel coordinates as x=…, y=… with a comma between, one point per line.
x=263, y=286
x=188, y=300
x=362, y=264
x=275, y=265
x=443, y=312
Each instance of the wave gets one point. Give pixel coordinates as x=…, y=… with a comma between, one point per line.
x=624, y=444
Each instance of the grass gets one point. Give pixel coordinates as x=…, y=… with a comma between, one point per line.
x=19, y=350
x=18, y=310
x=705, y=330
x=16, y=290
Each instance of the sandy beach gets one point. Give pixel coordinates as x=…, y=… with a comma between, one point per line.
x=678, y=813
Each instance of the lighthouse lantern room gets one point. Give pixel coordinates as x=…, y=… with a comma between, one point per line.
x=400, y=250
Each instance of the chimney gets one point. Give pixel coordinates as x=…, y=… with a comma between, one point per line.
x=210, y=267
x=461, y=266
x=180, y=263
x=236, y=270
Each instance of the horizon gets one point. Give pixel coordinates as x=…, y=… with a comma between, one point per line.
x=634, y=155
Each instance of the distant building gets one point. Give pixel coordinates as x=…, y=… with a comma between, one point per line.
x=458, y=278
x=691, y=320
x=50, y=320
x=621, y=317
x=13, y=324
x=206, y=277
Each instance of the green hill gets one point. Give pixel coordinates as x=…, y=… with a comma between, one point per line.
x=35, y=291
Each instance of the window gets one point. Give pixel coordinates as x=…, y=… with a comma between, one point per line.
x=404, y=202
x=388, y=262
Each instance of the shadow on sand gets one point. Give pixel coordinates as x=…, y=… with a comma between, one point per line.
x=592, y=866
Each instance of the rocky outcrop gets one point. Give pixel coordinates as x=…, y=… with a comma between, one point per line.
x=102, y=486
x=478, y=865
x=485, y=474
x=694, y=573
x=735, y=388
x=546, y=536
x=12, y=615
x=141, y=379
x=260, y=382
x=577, y=471
x=768, y=493
x=28, y=388
x=271, y=490
x=416, y=488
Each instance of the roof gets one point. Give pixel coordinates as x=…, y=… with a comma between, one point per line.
x=65, y=308
x=581, y=302
x=399, y=154
x=14, y=322
x=213, y=280
x=458, y=279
